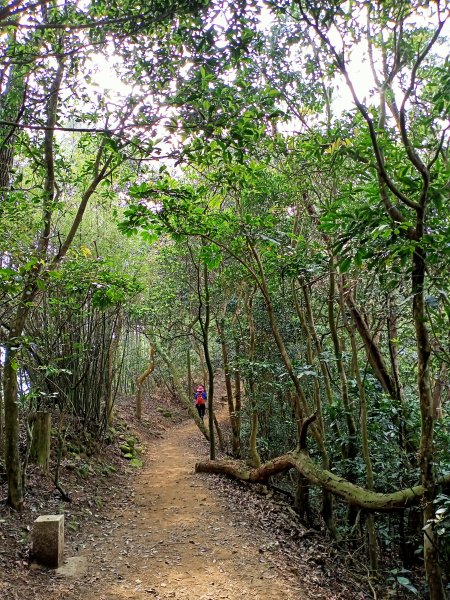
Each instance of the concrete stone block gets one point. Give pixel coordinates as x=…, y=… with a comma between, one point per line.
x=48, y=540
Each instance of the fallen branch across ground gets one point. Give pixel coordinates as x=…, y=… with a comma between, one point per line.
x=301, y=461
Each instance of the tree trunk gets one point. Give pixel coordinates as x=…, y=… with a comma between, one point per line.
x=219, y=434
x=373, y=352
x=254, y=458
x=439, y=383
x=235, y=432
x=140, y=382
x=301, y=499
x=426, y=454
x=204, y=325
x=190, y=387
x=114, y=344
x=237, y=405
x=2, y=413
x=12, y=458
x=351, y=447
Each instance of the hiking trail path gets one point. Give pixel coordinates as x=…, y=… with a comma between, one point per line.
x=175, y=537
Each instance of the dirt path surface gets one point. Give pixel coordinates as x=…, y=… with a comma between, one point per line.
x=181, y=543
x=172, y=535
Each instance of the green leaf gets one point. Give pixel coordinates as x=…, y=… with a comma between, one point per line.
x=405, y=582
x=345, y=264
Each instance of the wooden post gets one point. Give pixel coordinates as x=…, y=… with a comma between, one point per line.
x=40, y=443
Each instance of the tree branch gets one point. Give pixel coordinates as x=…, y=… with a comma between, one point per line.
x=299, y=460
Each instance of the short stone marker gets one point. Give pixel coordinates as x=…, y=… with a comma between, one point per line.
x=48, y=540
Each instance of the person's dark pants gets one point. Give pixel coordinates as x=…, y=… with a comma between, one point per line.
x=201, y=408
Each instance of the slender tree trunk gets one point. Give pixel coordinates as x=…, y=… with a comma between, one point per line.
x=204, y=324
x=140, y=382
x=114, y=344
x=426, y=453
x=439, y=383
x=351, y=448
x=2, y=412
x=370, y=521
x=301, y=498
x=235, y=433
x=190, y=388
x=238, y=399
x=219, y=434
x=12, y=458
x=254, y=457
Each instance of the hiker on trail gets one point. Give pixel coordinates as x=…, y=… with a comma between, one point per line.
x=200, y=401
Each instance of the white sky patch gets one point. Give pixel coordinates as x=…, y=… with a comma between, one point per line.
x=106, y=78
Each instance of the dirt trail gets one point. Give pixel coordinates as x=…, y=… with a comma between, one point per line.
x=175, y=534
x=177, y=541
